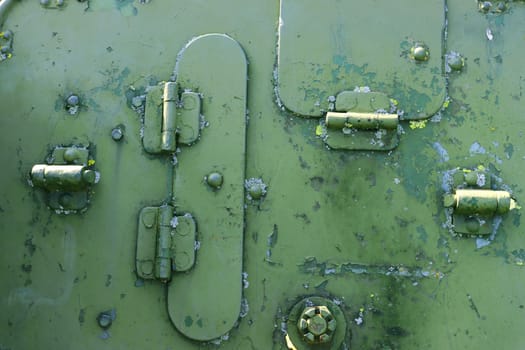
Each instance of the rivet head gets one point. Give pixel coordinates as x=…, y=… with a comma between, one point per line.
x=106, y=318
x=455, y=61
x=72, y=104
x=65, y=200
x=60, y=2
x=255, y=188
x=117, y=134
x=73, y=100
x=485, y=6
x=420, y=53
x=7, y=34
x=89, y=176
x=71, y=154
x=472, y=224
x=44, y=2
x=215, y=180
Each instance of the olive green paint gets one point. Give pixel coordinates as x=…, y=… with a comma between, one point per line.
x=367, y=228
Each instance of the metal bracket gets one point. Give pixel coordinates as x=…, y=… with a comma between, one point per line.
x=67, y=178
x=169, y=114
x=362, y=121
x=474, y=203
x=165, y=243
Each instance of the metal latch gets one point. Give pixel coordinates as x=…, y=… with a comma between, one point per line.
x=165, y=243
x=362, y=121
x=474, y=204
x=67, y=178
x=170, y=117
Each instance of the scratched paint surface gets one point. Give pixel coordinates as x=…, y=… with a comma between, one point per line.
x=366, y=230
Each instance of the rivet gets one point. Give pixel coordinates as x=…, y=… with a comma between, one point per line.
x=73, y=100
x=455, y=61
x=5, y=49
x=72, y=104
x=71, y=154
x=105, y=319
x=255, y=188
x=472, y=224
x=44, y=2
x=65, y=200
x=215, y=180
x=60, y=2
x=485, y=6
x=89, y=176
x=117, y=134
x=420, y=52
x=7, y=34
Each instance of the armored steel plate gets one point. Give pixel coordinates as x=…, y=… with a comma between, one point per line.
x=326, y=47
x=205, y=303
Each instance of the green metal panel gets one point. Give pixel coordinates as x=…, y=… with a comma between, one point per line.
x=330, y=46
x=364, y=233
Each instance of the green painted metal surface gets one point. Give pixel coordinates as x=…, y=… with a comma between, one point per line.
x=366, y=230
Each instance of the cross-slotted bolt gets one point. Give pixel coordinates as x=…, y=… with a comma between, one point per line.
x=317, y=325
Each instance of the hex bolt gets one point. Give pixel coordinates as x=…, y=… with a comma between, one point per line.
x=117, y=134
x=215, y=180
x=420, y=52
x=317, y=325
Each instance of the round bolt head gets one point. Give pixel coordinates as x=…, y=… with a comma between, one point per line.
x=71, y=154
x=455, y=61
x=256, y=191
x=485, y=6
x=117, y=134
x=214, y=180
x=60, y=2
x=7, y=34
x=420, y=52
x=104, y=320
x=65, y=200
x=89, y=176
x=44, y=2
x=472, y=225
x=72, y=100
